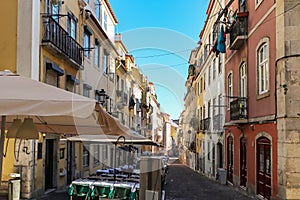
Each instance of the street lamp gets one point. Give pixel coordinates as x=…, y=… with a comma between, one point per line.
x=102, y=96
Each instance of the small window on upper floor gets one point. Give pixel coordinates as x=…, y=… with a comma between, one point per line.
x=98, y=10
x=258, y=2
x=105, y=21
x=242, y=5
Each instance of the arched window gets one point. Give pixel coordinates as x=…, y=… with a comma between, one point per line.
x=243, y=80
x=230, y=87
x=263, y=68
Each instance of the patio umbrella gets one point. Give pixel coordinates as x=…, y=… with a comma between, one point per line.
x=52, y=109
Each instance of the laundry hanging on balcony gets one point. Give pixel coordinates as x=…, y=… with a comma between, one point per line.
x=221, y=47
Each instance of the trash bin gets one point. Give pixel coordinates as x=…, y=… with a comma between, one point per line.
x=14, y=186
x=222, y=176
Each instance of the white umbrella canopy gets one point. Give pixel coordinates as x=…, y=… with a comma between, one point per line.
x=24, y=96
x=52, y=109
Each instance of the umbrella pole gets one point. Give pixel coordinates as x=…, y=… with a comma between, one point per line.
x=3, y=121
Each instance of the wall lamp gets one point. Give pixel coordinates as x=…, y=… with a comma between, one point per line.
x=102, y=96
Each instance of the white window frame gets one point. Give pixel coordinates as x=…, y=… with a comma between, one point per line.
x=86, y=44
x=96, y=56
x=263, y=68
x=230, y=87
x=105, y=62
x=105, y=21
x=257, y=3
x=243, y=80
x=98, y=10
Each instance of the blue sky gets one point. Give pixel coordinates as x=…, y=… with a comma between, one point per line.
x=160, y=35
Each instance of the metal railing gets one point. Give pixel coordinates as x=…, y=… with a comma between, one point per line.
x=61, y=39
x=239, y=109
x=239, y=28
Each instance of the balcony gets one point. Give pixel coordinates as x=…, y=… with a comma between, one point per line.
x=239, y=109
x=204, y=124
x=217, y=122
x=239, y=31
x=59, y=41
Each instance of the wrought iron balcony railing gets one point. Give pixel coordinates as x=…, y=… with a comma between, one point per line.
x=217, y=122
x=239, y=109
x=239, y=31
x=204, y=124
x=55, y=34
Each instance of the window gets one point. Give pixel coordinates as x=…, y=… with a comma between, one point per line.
x=203, y=82
x=85, y=156
x=209, y=74
x=55, y=12
x=53, y=72
x=201, y=85
x=105, y=21
x=220, y=64
x=96, y=58
x=257, y=3
x=242, y=5
x=86, y=43
x=214, y=107
x=208, y=108
x=214, y=69
x=105, y=62
x=243, y=80
x=86, y=90
x=230, y=87
x=96, y=154
x=98, y=10
x=263, y=69
x=72, y=25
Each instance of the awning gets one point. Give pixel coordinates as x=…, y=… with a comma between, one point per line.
x=101, y=139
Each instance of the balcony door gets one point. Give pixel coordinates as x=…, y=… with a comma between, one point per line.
x=243, y=162
x=263, y=156
x=230, y=159
x=243, y=80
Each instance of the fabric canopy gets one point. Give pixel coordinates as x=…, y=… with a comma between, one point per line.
x=135, y=140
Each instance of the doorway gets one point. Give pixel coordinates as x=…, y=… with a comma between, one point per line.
x=220, y=155
x=263, y=156
x=71, y=163
x=49, y=164
x=230, y=159
x=243, y=162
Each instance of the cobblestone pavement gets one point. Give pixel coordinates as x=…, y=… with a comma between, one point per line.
x=186, y=184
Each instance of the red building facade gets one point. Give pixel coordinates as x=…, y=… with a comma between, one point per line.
x=250, y=128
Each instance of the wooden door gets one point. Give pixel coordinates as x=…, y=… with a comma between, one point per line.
x=263, y=156
x=243, y=162
x=230, y=159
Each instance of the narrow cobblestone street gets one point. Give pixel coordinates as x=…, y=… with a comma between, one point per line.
x=185, y=184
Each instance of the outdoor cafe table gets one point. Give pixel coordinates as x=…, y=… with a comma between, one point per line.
x=103, y=189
